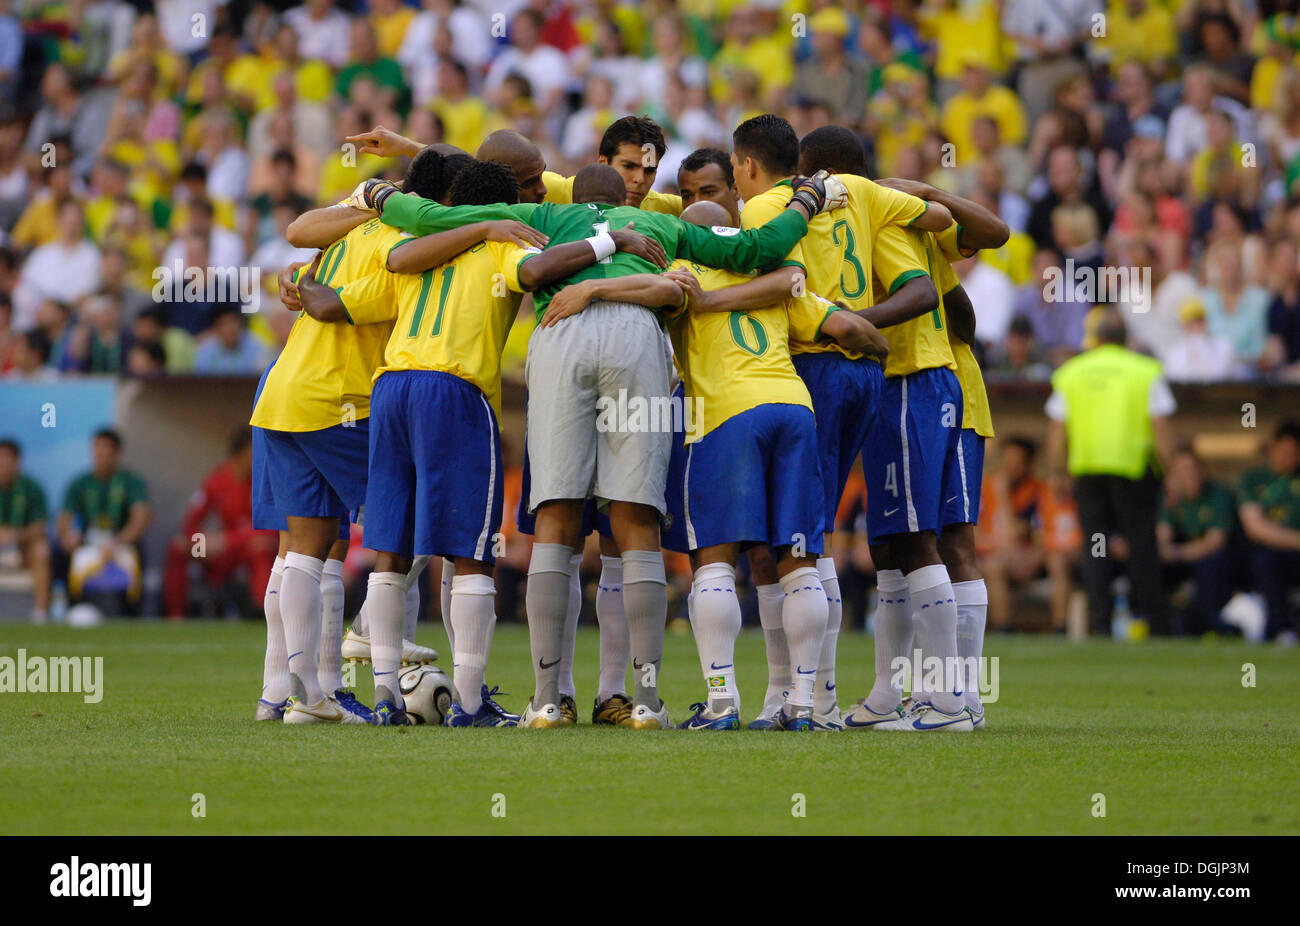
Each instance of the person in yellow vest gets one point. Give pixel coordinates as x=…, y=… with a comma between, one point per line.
x=1109, y=412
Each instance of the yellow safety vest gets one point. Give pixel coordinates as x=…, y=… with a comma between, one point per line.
x=1107, y=393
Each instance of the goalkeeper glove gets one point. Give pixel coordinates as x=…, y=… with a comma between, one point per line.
x=372, y=194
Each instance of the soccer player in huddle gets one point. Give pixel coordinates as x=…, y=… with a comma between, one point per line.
x=570, y=367
x=632, y=145
x=914, y=469
x=752, y=469
x=311, y=417
x=834, y=261
x=436, y=441
x=974, y=228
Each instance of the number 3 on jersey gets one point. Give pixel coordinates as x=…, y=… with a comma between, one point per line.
x=426, y=284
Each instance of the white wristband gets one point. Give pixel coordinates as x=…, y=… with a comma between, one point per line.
x=603, y=244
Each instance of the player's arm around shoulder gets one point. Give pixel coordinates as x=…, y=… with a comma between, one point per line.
x=416, y=255
x=852, y=332
x=906, y=202
x=319, y=228
x=769, y=289
x=652, y=290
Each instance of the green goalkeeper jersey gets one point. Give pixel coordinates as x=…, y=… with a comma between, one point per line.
x=731, y=249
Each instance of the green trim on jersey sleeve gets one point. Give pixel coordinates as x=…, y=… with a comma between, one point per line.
x=338, y=291
x=914, y=218
x=906, y=276
x=830, y=311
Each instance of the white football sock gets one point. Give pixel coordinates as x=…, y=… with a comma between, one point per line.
x=411, y=616
x=824, y=697
x=893, y=627
x=615, y=647
x=803, y=614
x=448, y=574
x=387, y=594
x=571, y=627
x=361, y=623
x=715, y=618
x=547, y=600
x=972, y=614
x=645, y=600
x=275, y=667
x=473, y=611
x=300, y=607
x=934, y=608
x=770, y=599
x=331, y=635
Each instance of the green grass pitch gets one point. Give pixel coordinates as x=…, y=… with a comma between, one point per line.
x=1166, y=731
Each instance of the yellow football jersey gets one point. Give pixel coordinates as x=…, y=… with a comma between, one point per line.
x=455, y=318
x=734, y=361
x=560, y=190
x=921, y=343
x=976, y=413
x=323, y=375
x=836, y=254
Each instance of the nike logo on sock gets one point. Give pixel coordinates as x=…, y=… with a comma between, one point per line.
x=717, y=668
x=543, y=664
x=830, y=686
x=800, y=670
x=299, y=653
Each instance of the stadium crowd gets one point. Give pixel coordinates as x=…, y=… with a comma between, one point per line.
x=1163, y=134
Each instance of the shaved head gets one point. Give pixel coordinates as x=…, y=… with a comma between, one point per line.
x=522, y=157
x=445, y=149
x=599, y=183
x=707, y=213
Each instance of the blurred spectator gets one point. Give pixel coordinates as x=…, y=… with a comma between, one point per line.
x=1066, y=185
x=97, y=343
x=980, y=96
x=471, y=36
x=23, y=518
x=1047, y=37
x=1198, y=355
x=1019, y=357
x=323, y=32
x=545, y=68
x=1236, y=310
x=366, y=62
x=1282, y=351
x=1188, y=130
x=992, y=295
x=229, y=349
x=1028, y=527
x=1197, y=523
x=39, y=222
x=104, y=516
x=226, y=498
x=829, y=75
x=65, y=270
x=1056, y=325
x=67, y=111
x=31, y=358
x=145, y=359
x=13, y=172
x=1269, y=507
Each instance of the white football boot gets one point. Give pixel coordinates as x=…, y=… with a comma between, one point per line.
x=326, y=710
x=643, y=718
x=548, y=717
x=356, y=648
x=924, y=717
